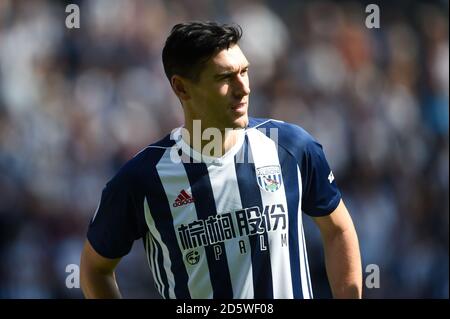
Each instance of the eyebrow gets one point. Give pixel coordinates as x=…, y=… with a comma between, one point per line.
x=230, y=72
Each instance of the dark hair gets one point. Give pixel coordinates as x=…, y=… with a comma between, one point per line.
x=191, y=44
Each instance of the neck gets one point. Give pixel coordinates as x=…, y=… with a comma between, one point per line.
x=209, y=140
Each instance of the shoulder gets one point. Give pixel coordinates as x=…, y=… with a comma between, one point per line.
x=291, y=137
x=139, y=166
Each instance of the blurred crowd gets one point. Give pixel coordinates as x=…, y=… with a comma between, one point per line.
x=75, y=104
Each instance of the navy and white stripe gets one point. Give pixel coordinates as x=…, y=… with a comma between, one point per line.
x=251, y=197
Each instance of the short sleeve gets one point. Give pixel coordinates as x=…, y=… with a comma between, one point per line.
x=115, y=225
x=321, y=195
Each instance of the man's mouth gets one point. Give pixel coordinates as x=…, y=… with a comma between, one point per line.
x=239, y=106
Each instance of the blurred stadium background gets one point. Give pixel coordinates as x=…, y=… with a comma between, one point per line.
x=76, y=104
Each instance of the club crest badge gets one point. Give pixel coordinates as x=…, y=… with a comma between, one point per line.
x=269, y=178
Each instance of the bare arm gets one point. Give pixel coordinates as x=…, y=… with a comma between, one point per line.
x=97, y=276
x=342, y=256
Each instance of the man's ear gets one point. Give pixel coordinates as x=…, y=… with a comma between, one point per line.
x=180, y=87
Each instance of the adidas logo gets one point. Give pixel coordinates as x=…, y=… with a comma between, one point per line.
x=183, y=199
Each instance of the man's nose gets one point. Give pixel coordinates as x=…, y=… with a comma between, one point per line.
x=242, y=86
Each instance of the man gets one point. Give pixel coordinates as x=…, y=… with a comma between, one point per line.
x=227, y=224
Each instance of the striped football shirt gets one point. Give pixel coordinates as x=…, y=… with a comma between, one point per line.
x=227, y=227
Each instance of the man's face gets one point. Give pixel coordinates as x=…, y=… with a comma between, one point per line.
x=220, y=97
